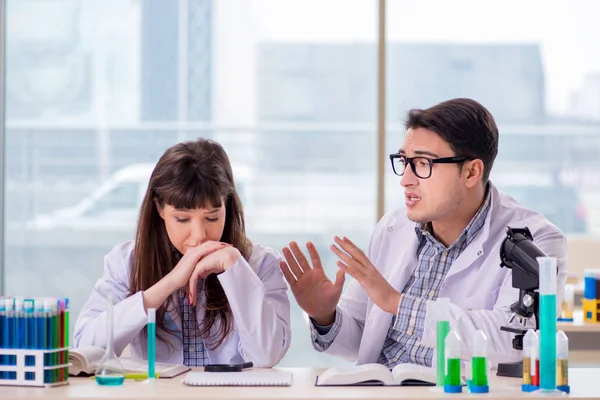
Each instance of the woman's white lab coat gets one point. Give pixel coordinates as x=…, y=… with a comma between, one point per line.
x=256, y=291
x=480, y=290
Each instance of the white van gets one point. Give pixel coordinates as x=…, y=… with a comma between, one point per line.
x=115, y=204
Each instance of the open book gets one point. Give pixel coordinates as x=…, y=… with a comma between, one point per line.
x=84, y=360
x=378, y=374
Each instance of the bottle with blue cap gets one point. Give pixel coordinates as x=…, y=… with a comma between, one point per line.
x=479, y=364
x=453, y=347
x=562, y=362
x=531, y=362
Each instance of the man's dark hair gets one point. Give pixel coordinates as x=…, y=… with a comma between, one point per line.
x=467, y=126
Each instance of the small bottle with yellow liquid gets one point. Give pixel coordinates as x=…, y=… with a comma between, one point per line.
x=562, y=362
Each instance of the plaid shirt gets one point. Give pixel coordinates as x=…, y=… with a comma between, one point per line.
x=194, y=352
x=402, y=344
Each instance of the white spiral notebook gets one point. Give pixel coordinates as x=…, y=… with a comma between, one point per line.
x=248, y=378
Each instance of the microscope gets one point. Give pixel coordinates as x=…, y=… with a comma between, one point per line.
x=518, y=253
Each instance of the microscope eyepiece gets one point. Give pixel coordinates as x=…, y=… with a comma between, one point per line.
x=518, y=253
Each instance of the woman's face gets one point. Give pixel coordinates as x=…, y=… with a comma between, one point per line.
x=191, y=228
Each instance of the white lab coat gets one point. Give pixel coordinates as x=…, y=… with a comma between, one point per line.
x=256, y=291
x=479, y=289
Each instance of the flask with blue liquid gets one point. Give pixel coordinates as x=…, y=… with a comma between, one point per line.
x=110, y=372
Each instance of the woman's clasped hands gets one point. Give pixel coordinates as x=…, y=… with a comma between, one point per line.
x=201, y=261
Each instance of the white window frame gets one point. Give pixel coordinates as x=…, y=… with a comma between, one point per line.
x=2, y=63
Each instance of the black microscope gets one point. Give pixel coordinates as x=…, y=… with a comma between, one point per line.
x=520, y=254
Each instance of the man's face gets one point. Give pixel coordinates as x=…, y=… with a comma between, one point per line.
x=438, y=197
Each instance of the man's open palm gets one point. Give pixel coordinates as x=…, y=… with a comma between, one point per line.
x=314, y=292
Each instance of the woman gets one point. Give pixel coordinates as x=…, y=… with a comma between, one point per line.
x=219, y=299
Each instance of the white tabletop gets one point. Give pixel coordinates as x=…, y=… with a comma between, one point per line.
x=585, y=384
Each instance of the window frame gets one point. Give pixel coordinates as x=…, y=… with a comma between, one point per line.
x=2, y=63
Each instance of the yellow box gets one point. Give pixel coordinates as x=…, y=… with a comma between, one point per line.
x=591, y=310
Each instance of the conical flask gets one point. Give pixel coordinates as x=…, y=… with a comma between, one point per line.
x=110, y=371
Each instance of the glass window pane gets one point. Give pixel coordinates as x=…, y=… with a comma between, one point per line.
x=98, y=89
x=536, y=70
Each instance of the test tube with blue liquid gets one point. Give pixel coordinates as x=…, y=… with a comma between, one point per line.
x=29, y=335
x=151, y=343
x=10, y=335
x=19, y=331
x=547, y=290
x=28, y=310
x=38, y=322
x=3, y=337
x=20, y=326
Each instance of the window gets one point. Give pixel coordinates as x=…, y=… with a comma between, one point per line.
x=98, y=88
x=536, y=77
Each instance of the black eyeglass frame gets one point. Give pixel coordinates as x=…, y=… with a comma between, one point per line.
x=410, y=161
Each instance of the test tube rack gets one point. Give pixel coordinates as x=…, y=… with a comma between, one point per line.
x=36, y=370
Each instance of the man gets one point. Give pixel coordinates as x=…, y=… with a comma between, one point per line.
x=444, y=243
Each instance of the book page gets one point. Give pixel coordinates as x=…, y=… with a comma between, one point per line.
x=413, y=372
x=85, y=359
x=356, y=375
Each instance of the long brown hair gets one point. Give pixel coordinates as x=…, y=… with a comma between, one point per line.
x=189, y=175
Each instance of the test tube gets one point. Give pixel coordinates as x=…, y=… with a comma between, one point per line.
x=10, y=338
x=56, y=338
x=526, y=361
x=442, y=329
x=61, y=338
x=151, y=343
x=66, y=339
x=49, y=306
x=18, y=328
x=531, y=375
x=479, y=370
x=29, y=334
x=29, y=323
x=562, y=362
x=38, y=316
x=67, y=323
x=535, y=361
x=453, y=347
x=3, y=337
x=19, y=324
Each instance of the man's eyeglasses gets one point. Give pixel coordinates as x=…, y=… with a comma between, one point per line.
x=421, y=166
